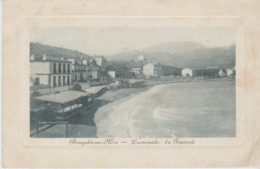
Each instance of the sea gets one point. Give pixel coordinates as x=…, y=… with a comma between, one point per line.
x=176, y=110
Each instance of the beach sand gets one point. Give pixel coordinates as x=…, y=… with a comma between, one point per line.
x=82, y=125
x=194, y=109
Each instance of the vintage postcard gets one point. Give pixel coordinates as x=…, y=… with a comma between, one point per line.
x=130, y=83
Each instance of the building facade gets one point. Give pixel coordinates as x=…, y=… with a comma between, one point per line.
x=152, y=69
x=222, y=72
x=230, y=72
x=112, y=74
x=100, y=60
x=136, y=71
x=187, y=72
x=140, y=58
x=83, y=70
x=51, y=71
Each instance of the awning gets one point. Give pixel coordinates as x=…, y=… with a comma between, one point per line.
x=63, y=97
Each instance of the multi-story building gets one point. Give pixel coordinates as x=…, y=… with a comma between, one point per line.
x=152, y=69
x=83, y=70
x=50, y=71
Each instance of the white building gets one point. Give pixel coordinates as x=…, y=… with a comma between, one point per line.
x=222, y=72
x=186, y=72
x=51, y=71
x=83, y=70
x=84, y=61
x=229, y=72
x=112, y=74
x=100, y=60
x=140, y=58
x=152, y=69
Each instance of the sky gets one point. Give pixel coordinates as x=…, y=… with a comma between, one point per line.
x=108, y=41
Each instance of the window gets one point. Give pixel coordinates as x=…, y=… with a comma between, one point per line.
x=68, y=68
x=68, y=79
x=64, y=81
x=59, y=67
x=54, y=81
x=59, y=81
x=64, y=68
x=54, y=68
x=81, y=76
x=37, y=81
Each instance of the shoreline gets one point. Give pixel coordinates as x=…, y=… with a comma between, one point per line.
x=116, y=119
x=83, y=125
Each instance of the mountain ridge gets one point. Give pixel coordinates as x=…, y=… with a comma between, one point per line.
x=39, y=49
x=184, y=54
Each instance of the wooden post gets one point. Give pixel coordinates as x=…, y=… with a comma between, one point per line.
x=67, y=130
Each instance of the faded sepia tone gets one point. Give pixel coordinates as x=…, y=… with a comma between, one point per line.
x=240, y=145
x=149, y=82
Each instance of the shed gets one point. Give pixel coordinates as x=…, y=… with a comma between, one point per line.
x=66, y=104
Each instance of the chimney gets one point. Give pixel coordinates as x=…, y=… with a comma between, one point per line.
x=32, y=56
x=44, y=57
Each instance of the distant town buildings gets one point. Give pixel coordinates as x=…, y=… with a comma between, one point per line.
x=100, y=60
x=140, y=58
x=112, y=74
x=50, y=71
x=152, y=69
x=229, y=72
x=186, y=72
x=136, y=71
x=222, y=72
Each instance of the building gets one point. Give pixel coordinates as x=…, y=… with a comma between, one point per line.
x=230, y=72
x=93, y=72
x=140, y=58
x=80, y=72
x=83, y=70
x=222, y=72
x=100, y=60
x=50, y=71
x=112, y=74
x=84, y=61
x=152, y=69
x=186, y=72
x=136, y=71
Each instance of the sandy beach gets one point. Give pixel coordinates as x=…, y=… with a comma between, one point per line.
x=134, y=112
x=194, y=109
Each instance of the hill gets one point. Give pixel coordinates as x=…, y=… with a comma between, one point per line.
x=39, y=49
x=184, y=54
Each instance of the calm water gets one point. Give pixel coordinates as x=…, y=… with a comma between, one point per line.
x=195, y=109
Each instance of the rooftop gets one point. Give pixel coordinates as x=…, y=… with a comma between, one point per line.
x=94, y=89
x=45, y=58
x=63, y=97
